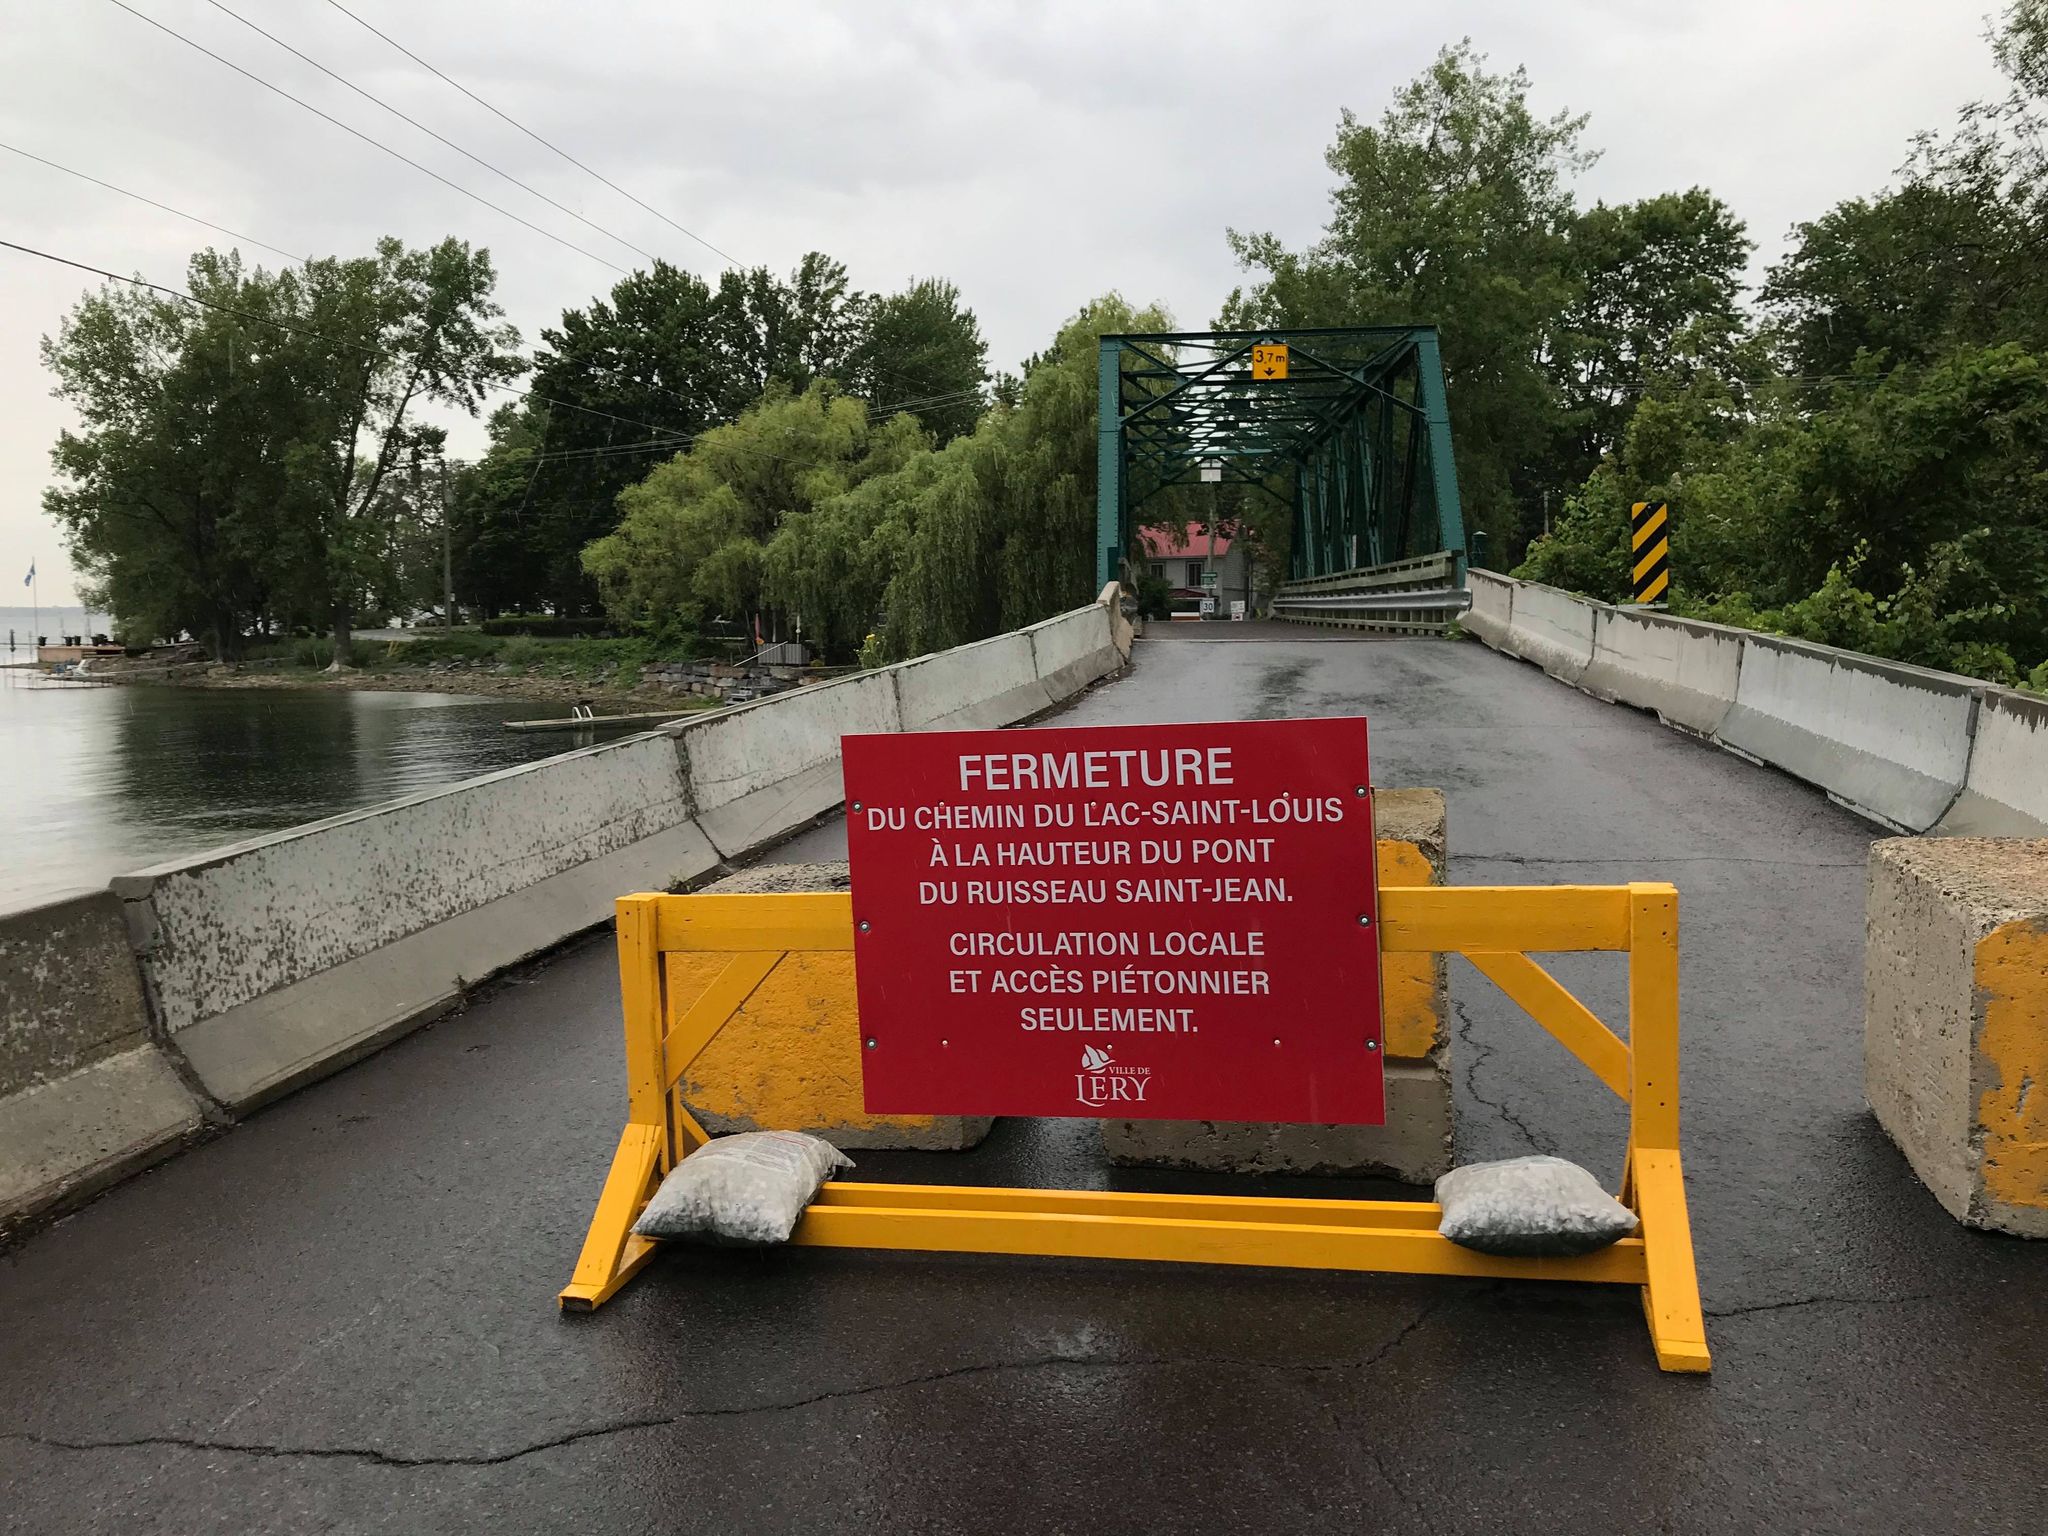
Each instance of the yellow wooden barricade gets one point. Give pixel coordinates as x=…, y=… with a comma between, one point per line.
x=1495, y=927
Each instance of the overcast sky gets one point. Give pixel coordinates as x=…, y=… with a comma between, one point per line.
x=1036, y=154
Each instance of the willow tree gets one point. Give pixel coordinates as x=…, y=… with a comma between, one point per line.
x=1001, y=531
x=692, y=545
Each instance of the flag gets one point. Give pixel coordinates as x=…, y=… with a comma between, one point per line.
x=29, y=579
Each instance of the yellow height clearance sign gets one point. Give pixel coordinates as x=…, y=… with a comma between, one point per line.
x=1650, y=546
x=1269, y=360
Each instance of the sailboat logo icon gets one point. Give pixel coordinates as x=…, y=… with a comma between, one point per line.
x=1093, y=1058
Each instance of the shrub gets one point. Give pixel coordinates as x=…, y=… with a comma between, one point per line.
x=545, y=625
x=318, y=652
x=1155, y=597
x=523, y=651
x=453, y=646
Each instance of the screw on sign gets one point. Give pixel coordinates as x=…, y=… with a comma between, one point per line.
x=1154, y=922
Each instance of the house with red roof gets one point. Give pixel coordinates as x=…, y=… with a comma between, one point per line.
x=1196, y=564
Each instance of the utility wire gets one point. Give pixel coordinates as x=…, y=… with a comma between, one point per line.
x=358, y=133
x=164, y=207
x=727, y=256
x=430, y=133
x=730, y=259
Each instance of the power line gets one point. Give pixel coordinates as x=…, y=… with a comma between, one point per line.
x=556, y=148
x=152, y=202
x=430, y=133
x=358, y=133
x=730, y=259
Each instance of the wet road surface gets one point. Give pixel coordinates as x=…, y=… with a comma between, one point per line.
x=340, y=1316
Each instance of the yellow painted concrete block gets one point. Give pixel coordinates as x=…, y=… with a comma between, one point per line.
x=1955, y=1047
x=789, y=1059
x=1411, y=986
x=2012, y=1047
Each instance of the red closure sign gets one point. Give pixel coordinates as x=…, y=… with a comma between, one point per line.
x=1134, y=922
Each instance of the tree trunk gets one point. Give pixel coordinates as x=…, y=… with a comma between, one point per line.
x=342, y=638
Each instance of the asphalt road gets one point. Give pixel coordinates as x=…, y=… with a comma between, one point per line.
x=340, y=1316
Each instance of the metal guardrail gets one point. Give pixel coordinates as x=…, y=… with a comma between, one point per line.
x=1405, y=597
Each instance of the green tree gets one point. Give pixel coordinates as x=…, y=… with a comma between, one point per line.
x=1001, y=529
x=692, y=545
x=373, y=339
x=1454, y=208
x=1657, y=287
x=923, y=348
x=170, y=489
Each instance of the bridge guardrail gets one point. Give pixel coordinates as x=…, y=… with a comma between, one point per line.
x=1913, y=749
x=2006, y=791
x=1418, y=596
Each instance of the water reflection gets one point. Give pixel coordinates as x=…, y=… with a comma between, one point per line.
x=95, y=780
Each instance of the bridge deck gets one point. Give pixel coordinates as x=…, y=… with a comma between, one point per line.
x=340, y=1316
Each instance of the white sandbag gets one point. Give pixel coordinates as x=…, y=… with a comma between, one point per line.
x=749, y=1188
x=1541, y=1206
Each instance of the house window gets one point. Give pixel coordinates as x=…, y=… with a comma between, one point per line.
x=1194, y=573
x=1159, y=570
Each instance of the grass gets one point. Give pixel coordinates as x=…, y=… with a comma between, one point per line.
x=593, y=661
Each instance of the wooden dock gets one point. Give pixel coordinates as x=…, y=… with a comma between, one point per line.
x=587, y=722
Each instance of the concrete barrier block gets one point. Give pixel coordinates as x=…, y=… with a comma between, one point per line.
x=2006, y=791
x=222, y=928
x=972, y=687
x=1493, y=604
x=1414, y=1145
x=1415, y=1142
x=1074, y=650
x=68, y=1138
x=1685, y=671
x=257, y=1050
x=1122, y=632
x=1552, y=629
x=85, y=1095
x=1887, y=740
x=759, y=770
x=1414, y=989
x=1955, y=1046
x=790, y=1058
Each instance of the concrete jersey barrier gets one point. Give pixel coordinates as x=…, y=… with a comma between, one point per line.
x=86, y=1096
x=1493, y=604
x=1552, y=629
x=2006, y=792
x=1075, y=649
x=1684, y=670
x=971, y=687
x=1888, y=740
x=760, y=770
x=279, y=959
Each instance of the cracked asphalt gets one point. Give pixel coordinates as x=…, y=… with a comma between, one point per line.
x=340, y=1315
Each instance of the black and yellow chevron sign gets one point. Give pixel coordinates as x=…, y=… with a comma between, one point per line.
x=1650, y=541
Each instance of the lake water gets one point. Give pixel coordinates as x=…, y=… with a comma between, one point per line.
x=97, y=780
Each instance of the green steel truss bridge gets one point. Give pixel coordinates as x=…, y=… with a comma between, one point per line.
x=1347, y=427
